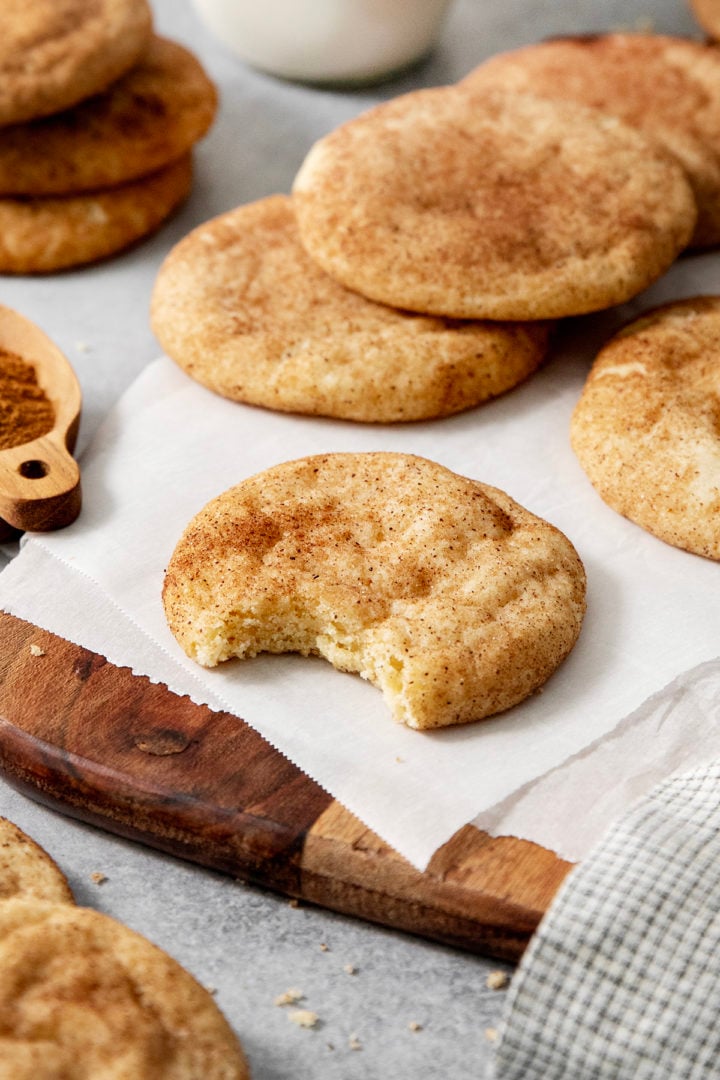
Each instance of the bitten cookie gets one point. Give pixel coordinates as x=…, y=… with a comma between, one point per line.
x=145, y=121
x=668, y=87
x=41, y=235
x=443, y=592
x=27, y=871
x=646, y=429
x=54, y=53
x=83, y=996
x=241, y=307
x=492, y=205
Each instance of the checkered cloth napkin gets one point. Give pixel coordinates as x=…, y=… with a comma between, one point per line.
x=622, y=979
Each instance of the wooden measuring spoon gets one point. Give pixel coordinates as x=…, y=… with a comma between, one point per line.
x=40, y=480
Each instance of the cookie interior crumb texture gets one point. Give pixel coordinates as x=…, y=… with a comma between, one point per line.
x=497, y=980
x=289, y=997
x=305, y=1018
x=443, y=592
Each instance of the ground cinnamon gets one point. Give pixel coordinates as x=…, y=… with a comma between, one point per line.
x=25, y=411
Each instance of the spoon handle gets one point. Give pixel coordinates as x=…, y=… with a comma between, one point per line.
x=39, y=484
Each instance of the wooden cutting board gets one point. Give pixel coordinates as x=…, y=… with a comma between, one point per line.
x=116, y=750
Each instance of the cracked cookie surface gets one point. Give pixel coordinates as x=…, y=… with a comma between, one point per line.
x=667, y=87
x=646, y=429
x=495, y=205
x=241, y=307
x=146, y=120
x=26, y=869
x=54, y=53
x=443, y=592
x=85, y=998
x=55, y=232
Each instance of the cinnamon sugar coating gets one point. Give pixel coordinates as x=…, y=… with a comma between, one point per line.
x=646, y=429
x=489, y=204
x=443, y=592
x=243, y=309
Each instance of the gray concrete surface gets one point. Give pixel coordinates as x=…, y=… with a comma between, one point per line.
x=248, y=944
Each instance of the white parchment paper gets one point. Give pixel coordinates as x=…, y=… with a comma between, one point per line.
x=653, y=611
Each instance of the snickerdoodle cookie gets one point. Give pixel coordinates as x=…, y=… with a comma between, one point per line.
x=707, y=13
x=443, y=592
x=492, y=205
x=54, y=53
x=26, y=870
x=647, y=427
x=244, y=310
x=669, y=87
x=146, y=120
x=83, y=996
x=39, y=235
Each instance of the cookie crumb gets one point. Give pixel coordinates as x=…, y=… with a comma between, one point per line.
x=497, y=980
x=324, y=947
x=414, y=1026
x=303, y=1018
x=290, y=997
x=36, y=650
x=354, y=1042
x=491, y=1034
x=350, y=969
x=400, y=760
x=212, y=990
x=293, y=903
x=98, y=877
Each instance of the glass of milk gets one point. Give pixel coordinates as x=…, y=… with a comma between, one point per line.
x=327, y=41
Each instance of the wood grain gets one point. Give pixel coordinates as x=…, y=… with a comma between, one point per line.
x=123, y=753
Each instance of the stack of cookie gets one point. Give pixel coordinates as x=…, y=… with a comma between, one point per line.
x=82, y=995
x=486, y=203
x=98, y=117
